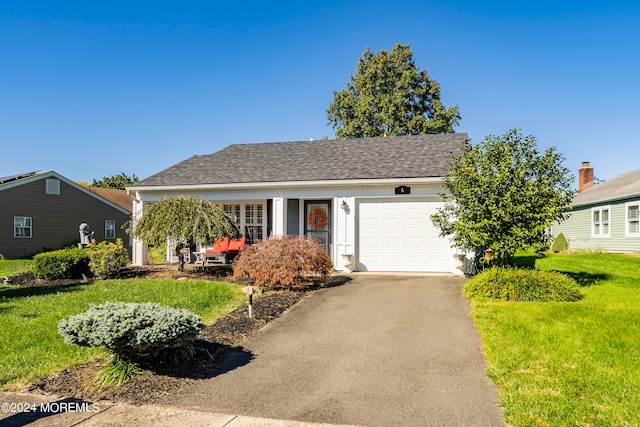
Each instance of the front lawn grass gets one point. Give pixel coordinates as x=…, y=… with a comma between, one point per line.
x=569, y=363
x=11, y=267
x=31, y=346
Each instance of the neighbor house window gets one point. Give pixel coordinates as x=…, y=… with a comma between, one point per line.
x=53, y=186
x=600, y=226
x=109, y=229
x=254, y=223
x=22, y=227
x=632, y=221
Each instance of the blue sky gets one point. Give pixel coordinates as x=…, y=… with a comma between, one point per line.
x=92, y=89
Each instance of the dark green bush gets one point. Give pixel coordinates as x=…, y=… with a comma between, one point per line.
x=61, y=264
x=107, y=259
x=134, y=331
x=560, y=243
x=514, y=284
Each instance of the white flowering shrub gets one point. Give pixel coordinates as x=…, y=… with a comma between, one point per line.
x=134, y=331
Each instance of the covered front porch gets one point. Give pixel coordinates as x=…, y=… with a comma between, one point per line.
x=324, y=219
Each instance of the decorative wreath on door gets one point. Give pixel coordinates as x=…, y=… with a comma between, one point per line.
x=318, y=219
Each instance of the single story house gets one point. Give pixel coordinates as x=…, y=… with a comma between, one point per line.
x=368, y=201
x=42, y=211
x=604, y=216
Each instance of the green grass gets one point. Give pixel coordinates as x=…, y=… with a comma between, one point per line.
x=569, y=363
x=11, y=267
x=31, y=346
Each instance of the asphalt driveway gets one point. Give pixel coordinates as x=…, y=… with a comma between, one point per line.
x=376, y=351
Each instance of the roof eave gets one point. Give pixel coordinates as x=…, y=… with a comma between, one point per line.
x=606, y=200
x=288, y=184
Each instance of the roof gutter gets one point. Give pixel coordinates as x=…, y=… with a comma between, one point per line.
x=287, y=184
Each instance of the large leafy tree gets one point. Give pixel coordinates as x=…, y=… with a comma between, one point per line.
x=119, y=181
x=389, y=95
x=186, y=219
x=504, y=194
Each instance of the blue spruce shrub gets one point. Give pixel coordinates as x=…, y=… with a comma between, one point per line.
x=138, y=332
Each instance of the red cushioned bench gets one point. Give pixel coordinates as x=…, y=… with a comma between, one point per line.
x=224, y=250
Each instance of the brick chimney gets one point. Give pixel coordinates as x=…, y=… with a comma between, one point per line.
x=585, y=177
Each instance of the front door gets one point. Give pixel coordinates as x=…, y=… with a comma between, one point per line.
x=318, y=222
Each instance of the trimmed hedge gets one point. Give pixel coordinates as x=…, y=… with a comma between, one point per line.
x=516, y=284
x=560, y=243
x=62, y=264
x=107, y=259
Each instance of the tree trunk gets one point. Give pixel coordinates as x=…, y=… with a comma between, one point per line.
x=180, y=255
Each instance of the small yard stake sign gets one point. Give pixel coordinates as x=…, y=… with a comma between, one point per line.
x=250, y=290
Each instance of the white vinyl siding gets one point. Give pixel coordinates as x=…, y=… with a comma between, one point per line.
x=22, y=227
x=601, y=221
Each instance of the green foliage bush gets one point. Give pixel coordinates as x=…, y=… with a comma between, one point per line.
x=134, y=331
x=560, y=244
x=283, y=262
x=516, y=284
x=61, y=264
x=107, y=259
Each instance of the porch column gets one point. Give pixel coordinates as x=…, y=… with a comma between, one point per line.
x=344, y=233
x=279, y=216
x=139, y=249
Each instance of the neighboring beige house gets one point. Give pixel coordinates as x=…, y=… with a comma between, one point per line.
x=368, y=201
x=42, y=211
x=604, y=216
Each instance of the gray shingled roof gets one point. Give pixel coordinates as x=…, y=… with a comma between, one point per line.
x=623, y=186
x=363, y=158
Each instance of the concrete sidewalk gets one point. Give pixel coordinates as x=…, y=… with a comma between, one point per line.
x=25, y=409
x=377, y=351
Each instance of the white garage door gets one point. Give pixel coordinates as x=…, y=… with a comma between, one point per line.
x=398, y=235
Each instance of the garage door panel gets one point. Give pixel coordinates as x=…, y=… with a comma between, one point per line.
x=392, y=223
x=369, y=223
x=415, y=224
x=415, y=243
x=398, y=235
x=438, y=243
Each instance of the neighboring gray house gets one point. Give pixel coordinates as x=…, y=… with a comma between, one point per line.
x=368, y=201
x=43, y=211
x=605, y=216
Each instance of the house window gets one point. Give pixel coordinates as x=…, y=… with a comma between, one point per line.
x=109, y=229
x=22, y=227
x=632, y=220
x=233, y=211
x=254, y=224
x=53, y=186
x=249, y=217
x=600, y=226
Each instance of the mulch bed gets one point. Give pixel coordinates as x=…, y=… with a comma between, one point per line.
x=212, y=346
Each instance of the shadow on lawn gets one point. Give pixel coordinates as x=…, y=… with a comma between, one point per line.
x=528, y=261
x=585, y=279
x=31, y=291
